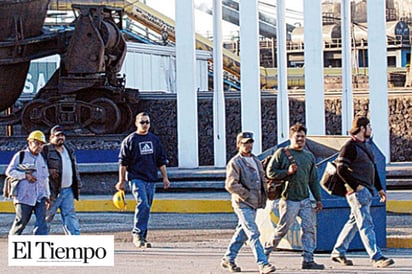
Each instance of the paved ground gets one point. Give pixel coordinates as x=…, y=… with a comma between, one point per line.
x=199, y=251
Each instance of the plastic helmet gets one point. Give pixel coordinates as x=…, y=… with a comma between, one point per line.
x=118, y=200
x=37, y=135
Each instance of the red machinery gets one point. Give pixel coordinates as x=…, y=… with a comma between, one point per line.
x=86, y=92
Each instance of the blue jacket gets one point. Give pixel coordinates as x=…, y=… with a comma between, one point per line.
x=29, y=193
x=142, y=155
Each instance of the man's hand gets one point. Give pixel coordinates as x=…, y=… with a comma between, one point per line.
x=292, y=169
x=319, y=206
x=54, y=173
x=166, y=183
x=119, y=186
x=30, y=177
x=382, y=194
x=47, y=203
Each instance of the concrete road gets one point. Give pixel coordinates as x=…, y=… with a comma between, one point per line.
x=200, y=251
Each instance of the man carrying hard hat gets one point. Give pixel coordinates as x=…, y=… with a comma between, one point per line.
x=141, y=155
x=29, y=168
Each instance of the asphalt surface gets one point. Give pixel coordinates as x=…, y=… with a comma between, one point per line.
x=200, y=251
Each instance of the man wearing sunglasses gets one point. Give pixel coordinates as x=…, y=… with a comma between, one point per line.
x=141, y=155
x=30, y=170
x=245, y=180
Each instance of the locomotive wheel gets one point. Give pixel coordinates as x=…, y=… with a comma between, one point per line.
x=32, y=116
x=127, y=118
x=107, y=116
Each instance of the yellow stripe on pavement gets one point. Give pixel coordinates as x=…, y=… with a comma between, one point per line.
x=399, y=206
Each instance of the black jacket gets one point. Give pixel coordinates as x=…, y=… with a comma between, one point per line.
x=54, y=161
x=356, y=166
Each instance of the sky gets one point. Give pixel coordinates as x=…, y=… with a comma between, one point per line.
x=204, y=22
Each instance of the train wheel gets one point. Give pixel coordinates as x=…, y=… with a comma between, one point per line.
x=106, y=116
x=32, y=116
x=127, y=118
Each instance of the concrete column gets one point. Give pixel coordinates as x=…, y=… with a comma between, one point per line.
x=219, y=116
x=378, y=77
x=250, y=71
x=187, y=129
x=314, y=82
x=347, y=94
x=282, y=104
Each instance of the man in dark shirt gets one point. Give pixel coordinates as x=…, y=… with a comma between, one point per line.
x=355, y=165
x=141, y=155
x=64, y=181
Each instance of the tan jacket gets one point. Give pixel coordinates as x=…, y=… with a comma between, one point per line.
x=242, y=181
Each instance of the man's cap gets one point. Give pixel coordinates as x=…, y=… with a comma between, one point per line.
x=407, y=65
x=243, y=137
x=357, y=123
x=57, y=129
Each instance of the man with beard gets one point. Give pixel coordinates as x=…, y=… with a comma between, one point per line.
x=300, y=174
x=64, y=181
x=355, y=165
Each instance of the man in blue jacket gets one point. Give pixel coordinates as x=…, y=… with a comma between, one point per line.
x=33, y=186
x=141, y=155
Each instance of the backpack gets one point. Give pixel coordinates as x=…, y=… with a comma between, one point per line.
x=331, y=182
x=274, y=186
x=10, y=184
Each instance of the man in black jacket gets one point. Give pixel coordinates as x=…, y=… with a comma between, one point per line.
x=64, y=181
x=355, y=165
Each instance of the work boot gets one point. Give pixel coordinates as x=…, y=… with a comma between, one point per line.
x=342, y=260
x=267, y=268
x=147, y=244
x=312, y=265
x=382, y=262
x=139, y=242
x=231, y=266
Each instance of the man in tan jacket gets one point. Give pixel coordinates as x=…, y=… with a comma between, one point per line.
x=245, y=180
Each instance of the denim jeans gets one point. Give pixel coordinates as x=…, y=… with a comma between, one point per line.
x=65, y=202
x=246, y=229
x=23, y=215
x=360, y=218
x=288, y=211
x=143, y=192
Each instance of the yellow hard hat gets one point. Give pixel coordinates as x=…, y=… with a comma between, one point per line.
x=37, y=135
x=118, y=200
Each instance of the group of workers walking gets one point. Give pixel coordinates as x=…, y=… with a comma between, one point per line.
x=53, y=183
x=245, y=180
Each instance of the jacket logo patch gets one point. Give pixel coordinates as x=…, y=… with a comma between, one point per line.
x=146, y=148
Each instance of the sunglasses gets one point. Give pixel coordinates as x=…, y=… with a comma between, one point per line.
x=144, y=122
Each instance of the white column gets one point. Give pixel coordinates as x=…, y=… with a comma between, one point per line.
x=187, y=130
x=250, y=71
x=347, y=94
x=378, y=79
x=219, y=116
x=282, y=105
x=314, y=86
